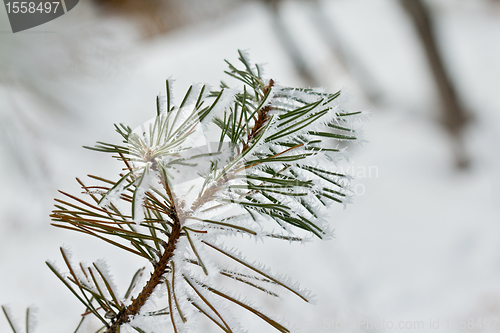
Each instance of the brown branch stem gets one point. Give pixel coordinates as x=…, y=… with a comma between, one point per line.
x=156, y=277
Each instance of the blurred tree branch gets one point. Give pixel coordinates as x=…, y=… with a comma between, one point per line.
x=326, y=31
x=345, y=55
x=454, y=118
x=289, y=45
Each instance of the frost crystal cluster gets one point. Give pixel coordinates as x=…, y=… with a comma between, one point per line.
x=222, y=163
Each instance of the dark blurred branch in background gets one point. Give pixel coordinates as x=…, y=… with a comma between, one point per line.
x=326, y=30
x=454, y=118
x=290, y=46
x=347, y=58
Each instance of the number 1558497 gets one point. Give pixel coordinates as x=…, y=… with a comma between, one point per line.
x=31, y=7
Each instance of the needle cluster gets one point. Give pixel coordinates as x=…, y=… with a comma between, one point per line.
x=222, y=163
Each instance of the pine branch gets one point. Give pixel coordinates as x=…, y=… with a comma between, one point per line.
x=270, y=164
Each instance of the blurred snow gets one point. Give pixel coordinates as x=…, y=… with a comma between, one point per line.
x=420, y=242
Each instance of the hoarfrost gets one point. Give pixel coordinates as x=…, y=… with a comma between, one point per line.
x=13, y=321
x=104, y=270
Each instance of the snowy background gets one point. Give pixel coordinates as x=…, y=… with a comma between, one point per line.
x=421, y=241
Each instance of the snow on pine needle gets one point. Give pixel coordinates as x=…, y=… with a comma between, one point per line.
x=258, y=161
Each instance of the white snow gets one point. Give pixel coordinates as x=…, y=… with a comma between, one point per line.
x=419, y=243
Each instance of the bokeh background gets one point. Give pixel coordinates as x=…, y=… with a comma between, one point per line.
x=421, y=243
